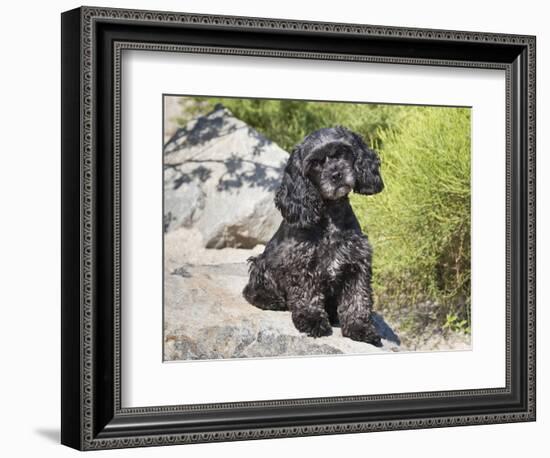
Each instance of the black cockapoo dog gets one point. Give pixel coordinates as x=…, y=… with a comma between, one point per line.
x=318, y=263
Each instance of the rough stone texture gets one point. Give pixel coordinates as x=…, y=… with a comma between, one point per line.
x=220, y=177
x=172, y=110
x=182, y=208
x=207, y=318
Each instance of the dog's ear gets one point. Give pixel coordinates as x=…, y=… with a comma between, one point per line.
x=297, y=198
x=367, y=168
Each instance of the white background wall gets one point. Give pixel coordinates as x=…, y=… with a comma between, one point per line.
x=30, y=240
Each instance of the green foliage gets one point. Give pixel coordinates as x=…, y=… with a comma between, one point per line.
x=454, y=323
x=419, y=225
x=287, y=122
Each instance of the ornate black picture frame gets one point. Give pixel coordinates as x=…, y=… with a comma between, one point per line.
x=92, y=42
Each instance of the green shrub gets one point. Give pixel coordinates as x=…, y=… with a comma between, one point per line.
x=419, y=225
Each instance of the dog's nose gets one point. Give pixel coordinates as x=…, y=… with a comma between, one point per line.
x=336, y=176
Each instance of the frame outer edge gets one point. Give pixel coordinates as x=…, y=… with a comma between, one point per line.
x=71, y=306
x=88, y=198
x=308, y=26
x=531, y=230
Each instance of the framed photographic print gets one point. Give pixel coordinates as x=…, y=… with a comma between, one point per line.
x=277, y=228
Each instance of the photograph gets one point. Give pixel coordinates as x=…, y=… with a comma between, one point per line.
x=310, y=228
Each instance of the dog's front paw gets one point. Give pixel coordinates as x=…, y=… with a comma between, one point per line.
x=320, y=328
x=362, y=331
x=314, y=323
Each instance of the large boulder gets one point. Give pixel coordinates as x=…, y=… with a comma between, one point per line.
x=206, y=317
x=220, y=176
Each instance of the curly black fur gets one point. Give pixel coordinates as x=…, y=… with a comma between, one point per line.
x=318, y=263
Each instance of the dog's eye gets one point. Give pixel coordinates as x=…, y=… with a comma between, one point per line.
x=339, y=153
x=315, y=163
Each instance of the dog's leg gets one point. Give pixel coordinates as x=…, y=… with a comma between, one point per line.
x=355, y=306
x=308, y=312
